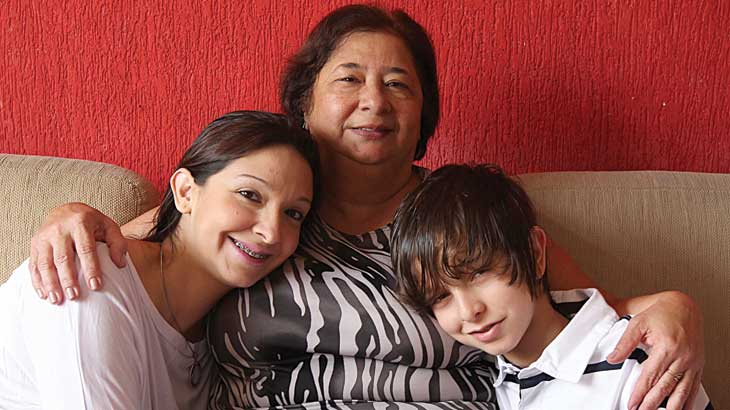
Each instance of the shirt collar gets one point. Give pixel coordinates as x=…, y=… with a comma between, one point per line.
x=567, y=356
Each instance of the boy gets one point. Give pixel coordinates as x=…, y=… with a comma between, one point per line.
x=467, y=249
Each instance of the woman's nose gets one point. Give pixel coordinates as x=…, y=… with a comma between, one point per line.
x=268, y=227
x=373, y=98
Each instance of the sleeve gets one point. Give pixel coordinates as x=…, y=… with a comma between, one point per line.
x=86, y=354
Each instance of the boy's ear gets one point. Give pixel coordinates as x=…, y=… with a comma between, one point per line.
x=539, y=249
x=182, y=185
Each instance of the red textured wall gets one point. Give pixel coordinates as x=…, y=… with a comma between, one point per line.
x=536, y=86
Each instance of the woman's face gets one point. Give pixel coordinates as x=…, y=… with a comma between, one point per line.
x=245, y=220
x=366, y=103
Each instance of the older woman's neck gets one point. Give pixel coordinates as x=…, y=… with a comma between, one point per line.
x=358, y=198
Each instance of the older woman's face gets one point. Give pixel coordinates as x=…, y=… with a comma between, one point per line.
x=366, y=102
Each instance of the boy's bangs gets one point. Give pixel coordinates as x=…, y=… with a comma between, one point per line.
x=457, y=257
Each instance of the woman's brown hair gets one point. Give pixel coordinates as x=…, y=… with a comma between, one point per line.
x=232, y=136
x=295, y=89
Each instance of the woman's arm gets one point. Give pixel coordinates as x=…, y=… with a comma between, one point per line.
x=139, y=227
x=73, y=229
x=699, y=401
x=670, y=323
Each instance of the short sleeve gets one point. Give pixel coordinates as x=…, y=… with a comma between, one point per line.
x=87, y=353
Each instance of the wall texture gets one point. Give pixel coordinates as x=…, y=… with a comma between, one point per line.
x=535, y=86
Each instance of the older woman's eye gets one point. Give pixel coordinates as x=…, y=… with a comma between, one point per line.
x=347, y=79
x=396, y=84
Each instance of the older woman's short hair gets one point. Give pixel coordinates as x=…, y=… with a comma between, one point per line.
x=302, y=69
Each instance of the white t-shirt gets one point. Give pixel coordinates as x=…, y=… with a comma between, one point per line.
x=110, y=350
x=572, y=371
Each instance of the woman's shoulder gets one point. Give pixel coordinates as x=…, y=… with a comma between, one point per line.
x=114, y=278
x=20, y=282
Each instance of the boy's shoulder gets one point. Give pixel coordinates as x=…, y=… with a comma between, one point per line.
x=586, y=302
x=589, y=311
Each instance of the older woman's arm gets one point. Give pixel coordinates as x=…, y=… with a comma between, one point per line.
x=74, y=229
x=668, y=322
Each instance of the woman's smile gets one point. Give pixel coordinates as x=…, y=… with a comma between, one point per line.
x=255, y=209
x=372, y=132
x=251, y=256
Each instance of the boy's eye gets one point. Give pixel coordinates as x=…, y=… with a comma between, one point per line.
x=250, y=195
x=440, y=299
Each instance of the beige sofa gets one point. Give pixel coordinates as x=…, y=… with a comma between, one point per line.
x=634, y=232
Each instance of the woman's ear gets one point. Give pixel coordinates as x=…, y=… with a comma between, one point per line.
x=182, y=185
x=538, y=237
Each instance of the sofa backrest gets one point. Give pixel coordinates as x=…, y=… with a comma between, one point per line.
x=633, y=232
x=33, y=185
x=642, y=232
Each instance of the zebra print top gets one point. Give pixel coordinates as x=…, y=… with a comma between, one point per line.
x=326, y=330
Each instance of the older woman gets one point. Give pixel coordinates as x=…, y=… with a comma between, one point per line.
x=327, y=329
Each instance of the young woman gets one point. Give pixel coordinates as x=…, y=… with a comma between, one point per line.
x=327, y=328
x=232, y=213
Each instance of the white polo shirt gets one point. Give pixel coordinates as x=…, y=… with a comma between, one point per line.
x=572, y=371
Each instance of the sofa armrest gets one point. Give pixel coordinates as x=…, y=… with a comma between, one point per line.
x=646, y=231
x=33, y=185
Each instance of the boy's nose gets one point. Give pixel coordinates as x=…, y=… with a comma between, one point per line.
x=470, y=309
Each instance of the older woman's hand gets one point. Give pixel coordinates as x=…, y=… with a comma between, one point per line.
x=69, y=229
x=672, y=328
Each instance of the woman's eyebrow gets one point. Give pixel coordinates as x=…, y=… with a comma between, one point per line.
x=253, y=177
x=356, y=66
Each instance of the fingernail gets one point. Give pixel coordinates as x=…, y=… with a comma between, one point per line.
x=71, y=292
x=54, y=298
x=40, y=293
x=95, y=283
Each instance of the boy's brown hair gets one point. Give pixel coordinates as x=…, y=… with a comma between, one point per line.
x=462, y=220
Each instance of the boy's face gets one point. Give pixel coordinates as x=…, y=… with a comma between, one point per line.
x=485, y=312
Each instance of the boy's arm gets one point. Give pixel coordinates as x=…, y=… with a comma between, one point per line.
x=669, y=322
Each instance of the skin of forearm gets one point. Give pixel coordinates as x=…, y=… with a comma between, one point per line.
x=139, y=227
x=637, y=304
x=566, y=274
x=563, y=272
